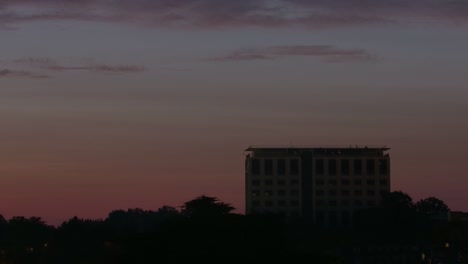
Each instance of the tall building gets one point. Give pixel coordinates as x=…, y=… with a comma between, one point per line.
x=324, y=184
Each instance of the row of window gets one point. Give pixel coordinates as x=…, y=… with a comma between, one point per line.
x=271, y=203
x=322, y=182
x=346, y=182
x=256, y=193
x=322, y=166
x=320, y=193
x=281, y=168
x=334, y=203
x=278, y=182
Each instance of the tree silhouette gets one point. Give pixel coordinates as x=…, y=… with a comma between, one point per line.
x=205, y=206
x=431, y=207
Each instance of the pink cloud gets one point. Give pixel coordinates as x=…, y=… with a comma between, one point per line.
x=325, y=52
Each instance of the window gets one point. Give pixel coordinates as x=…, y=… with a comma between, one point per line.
x=255, y=183
x=370, y=182
x=281, y=192
x=383, y=167
x=332, y=167
x=345, y=192
x=294, y=203
x=268, y=167
x=383, y=182
x=332, y=192
x=345, y=182
x=345, y=167
x=294, y=166
x=320, y=193
x=357, y=167
x=370, y=192
x=268, y=203
x=345, y=203
x=281, y=182
x=332, y=203
x=294, y=192
x=319, y=182
x=357, y=182
x=332, y=182
x=370, y=167
x=255, y=193
x=255, y=167
x=268, y=182
x=281, y=167
x=357, y=203
x=358, y=192
x=255, y=203
x=281, y=203
x=320, y=203
x=319, y=167
x=371, y=203
x=294, y=182
x=268, y=193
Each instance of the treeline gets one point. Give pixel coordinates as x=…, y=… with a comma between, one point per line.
x=206, y=229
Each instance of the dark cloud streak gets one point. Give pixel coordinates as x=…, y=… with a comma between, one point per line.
x=5, y=73
x=239, y=13
x=325, y=52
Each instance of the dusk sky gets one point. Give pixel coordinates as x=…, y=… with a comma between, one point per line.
x=116, y=104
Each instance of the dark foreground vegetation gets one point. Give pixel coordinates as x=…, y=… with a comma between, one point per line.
x=205, y=229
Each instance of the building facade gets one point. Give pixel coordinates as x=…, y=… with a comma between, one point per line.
x=324, y=184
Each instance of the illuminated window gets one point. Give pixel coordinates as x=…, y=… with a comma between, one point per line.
x=255, y=193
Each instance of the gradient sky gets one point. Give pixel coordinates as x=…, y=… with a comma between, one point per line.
x=141, y=103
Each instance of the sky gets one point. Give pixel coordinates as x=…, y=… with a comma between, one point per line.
x=116, y=104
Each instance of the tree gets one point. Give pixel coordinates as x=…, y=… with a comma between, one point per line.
x=205, y=206
x=432, y=207
x=397, y=200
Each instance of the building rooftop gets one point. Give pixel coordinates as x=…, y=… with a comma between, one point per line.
x=316, y=147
